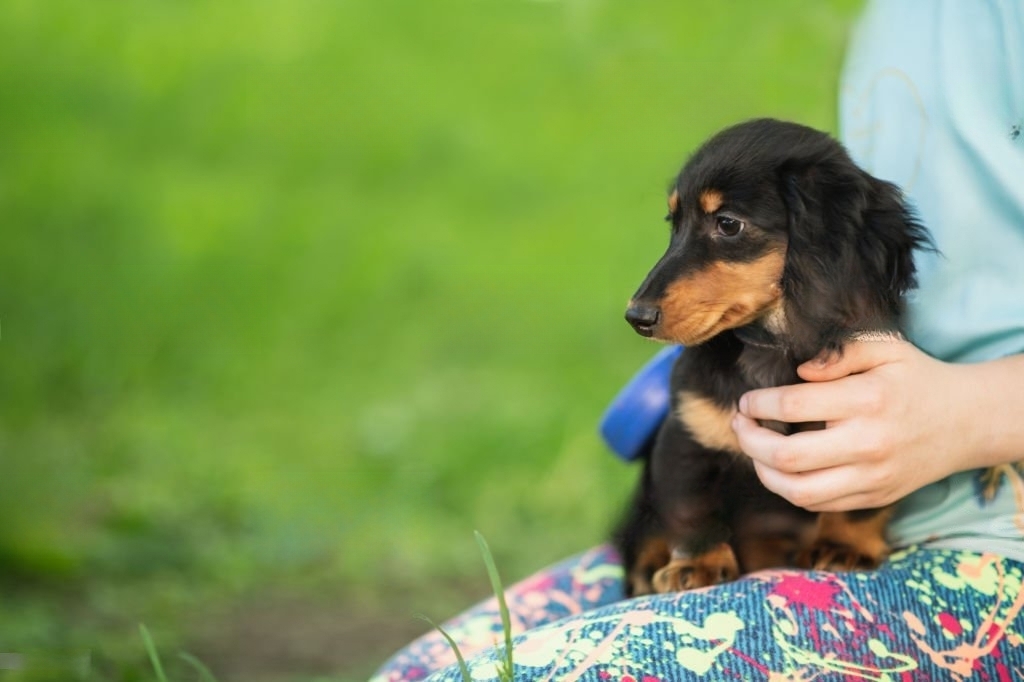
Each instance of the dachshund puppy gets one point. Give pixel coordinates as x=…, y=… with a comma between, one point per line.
x=781, y=249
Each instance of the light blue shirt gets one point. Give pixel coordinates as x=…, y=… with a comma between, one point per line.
x=932, y=99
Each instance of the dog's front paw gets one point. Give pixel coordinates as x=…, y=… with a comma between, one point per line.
x=830, y=556
x=713, y=567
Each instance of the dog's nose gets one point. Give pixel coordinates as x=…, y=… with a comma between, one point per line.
x=643, y=318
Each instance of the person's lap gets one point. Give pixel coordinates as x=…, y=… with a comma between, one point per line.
x=926, y=614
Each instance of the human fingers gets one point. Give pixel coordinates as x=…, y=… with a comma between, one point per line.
x=866, y=353
x=833, y=489
x=800, y=452
x=810, y=402
x=863, y=500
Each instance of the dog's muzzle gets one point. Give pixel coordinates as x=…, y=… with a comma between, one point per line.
x=643, y=318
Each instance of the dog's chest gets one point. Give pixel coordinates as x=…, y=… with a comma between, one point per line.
x=767, y=368
x=706, y=408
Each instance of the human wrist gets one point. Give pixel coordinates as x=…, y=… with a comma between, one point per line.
x=990, y=418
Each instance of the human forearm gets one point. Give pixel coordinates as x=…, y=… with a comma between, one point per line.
x=991, y=413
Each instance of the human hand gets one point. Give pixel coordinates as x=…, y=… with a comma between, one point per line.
x=892, y=426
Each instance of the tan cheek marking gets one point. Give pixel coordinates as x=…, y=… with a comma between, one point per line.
x=711, y=200
x=720, y=297
x=673, y=202
x=708, y=423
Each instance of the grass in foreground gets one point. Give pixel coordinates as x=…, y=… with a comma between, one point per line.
x=506, y=668
x=158, y=669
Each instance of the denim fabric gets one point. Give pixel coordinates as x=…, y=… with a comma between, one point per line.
x=924, y=615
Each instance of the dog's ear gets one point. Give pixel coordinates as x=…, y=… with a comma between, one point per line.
x=891, y=235
x=850, y=252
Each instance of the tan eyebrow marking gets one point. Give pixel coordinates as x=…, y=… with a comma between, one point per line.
x=711, y=200
x=673, y=202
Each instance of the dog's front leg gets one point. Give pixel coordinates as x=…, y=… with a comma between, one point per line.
x=715, y=566
x=689, y=483
x=699, y=544
x=846, y=541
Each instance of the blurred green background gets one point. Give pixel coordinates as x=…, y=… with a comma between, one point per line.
x=297, y=294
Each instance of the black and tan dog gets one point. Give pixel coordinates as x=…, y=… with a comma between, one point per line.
x=781, y=249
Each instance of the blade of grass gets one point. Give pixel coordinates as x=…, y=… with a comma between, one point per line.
x=204, y=673
x=153, y=656
x=499, y=593
x=463, y=668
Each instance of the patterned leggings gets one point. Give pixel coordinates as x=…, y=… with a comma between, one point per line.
x=924, y=615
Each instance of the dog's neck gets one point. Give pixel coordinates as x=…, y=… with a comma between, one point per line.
x=769, y=356
x=755, y=335
x=770, y=359
x=765, y=362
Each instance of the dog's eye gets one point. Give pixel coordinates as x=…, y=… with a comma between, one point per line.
x=728, y=227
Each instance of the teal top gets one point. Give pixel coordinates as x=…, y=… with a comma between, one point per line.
x=932, y=99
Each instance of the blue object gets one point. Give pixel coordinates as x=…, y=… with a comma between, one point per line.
x=633, y=418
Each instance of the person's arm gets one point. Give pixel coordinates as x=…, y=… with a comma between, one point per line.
x=896, y=420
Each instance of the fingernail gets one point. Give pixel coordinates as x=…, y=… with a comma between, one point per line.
x=743, y=404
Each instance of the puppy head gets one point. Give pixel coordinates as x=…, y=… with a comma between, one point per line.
x=774, y=225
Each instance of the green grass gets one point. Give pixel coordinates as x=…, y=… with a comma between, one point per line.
x=154, y=657
x=294, y=293
x=203, y=673
x=506, y=669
